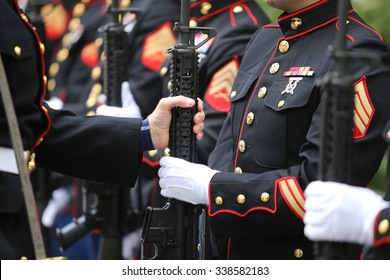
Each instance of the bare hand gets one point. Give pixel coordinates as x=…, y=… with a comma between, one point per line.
x=160, y=119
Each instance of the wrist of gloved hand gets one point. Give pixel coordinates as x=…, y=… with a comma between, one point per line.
x=129, y=109
x=341, y=213
x=185, y=181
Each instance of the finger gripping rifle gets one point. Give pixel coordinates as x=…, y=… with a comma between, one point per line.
x=337, y=122
x=176, y=230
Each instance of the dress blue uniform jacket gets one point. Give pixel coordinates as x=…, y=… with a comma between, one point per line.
x=268, y=148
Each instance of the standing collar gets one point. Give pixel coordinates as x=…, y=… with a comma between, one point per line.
x=310, y=18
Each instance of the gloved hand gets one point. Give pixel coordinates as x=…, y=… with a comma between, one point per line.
x=61, y=198
x=55, y=103
x=129, y=109
x=338, y=212
x=131, y=245
x=185, y=181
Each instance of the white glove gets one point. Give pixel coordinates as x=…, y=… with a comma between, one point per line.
x=131, y=245
x=338, y=212
x=61, y=198
x=184, y=180
x=55, y=103
x=129, y=108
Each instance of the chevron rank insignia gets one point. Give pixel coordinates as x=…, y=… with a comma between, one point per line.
x=364, y=109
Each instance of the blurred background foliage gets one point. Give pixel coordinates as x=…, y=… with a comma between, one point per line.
x=373, y=12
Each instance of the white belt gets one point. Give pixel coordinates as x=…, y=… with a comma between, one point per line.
x=8, y=160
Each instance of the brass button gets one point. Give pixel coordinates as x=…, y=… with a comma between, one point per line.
x=90, y=113
x=45, y=80
x=388, y=134
x=249, y=118
x=163, y=71
x=53, y=69
x=264, y=197
x=51, y=84
x=79, y=10
x=42, y=47
x=96, y=73
x=167, y=152
x=284, y=46
x=205, y=8
x=74, y=24
x=298, y=253
x=233, y=94
x=96, y=88
x=219, y=200
x=24, y=17
x=383, y=227
x=241, y=199
x=170, y=86
x=262, y=92
x=98, y=42
x=124, y=3
x=274, y=68
x=193, y=23
x=31, y=163
x=66, y=40
x=152, y=153
x=62, y=54
x=237, y=9
x=238, y=170
x=241, y=146
x=281, y=103
x=296, y=23
x=18, y=51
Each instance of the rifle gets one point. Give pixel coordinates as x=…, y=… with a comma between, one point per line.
x=337, y=123
x=176, y=230
x=110, y=210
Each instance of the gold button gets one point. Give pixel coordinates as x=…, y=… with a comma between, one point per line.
x=66, y=40
x=296, y=23
x=262, y=92
x=125, y=3
x=96, y=88
x=98, y=42
x=74, y=24
x=241, y=199
x=274, y=68
x=45, y=80
x=96, y=73
x=24, y=17
x=193, y=23
x=238, y=170
x=163, y=71
x=241, y=146
x=18, y=51
x=219, y=200
x=167, y=152
x=388, y=134
x=79, y=10
x=249, y=118
x=62, y=54
x=42, y=46
x=233, y=94
x=205, y=8
x=281, y=103
x=298, y=253
x=383, y=227
x=152, y=153
x=237, y=9
x=31, y=163
x=90, y=113
x=284, y=46
x=51, y=84
x=53, y=69
x=264, y=197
